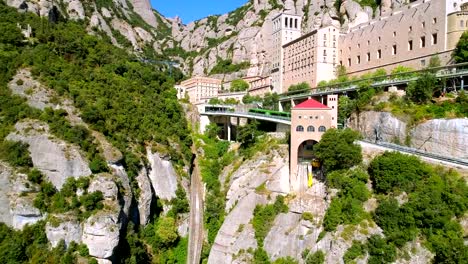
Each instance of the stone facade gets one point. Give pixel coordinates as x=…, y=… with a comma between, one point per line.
x=261, y=86
x=309, y=120
x=201, y=87
x=408, y=36
x=311, y=58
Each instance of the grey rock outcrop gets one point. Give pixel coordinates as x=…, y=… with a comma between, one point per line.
x=143, y=8
x=56, y=159
x=101, y=235
x=162, y=175
x=379, y=125
x=236, y=233
x=5, y=188
x=447, y=137
x=442, y=136
x=16, y=199
x=68, y=229
x=24, y=212
x=146, y=197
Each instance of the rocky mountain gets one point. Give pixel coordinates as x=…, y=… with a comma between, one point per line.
x=240, y=36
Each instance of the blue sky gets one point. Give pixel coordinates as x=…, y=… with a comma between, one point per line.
x=190, y=10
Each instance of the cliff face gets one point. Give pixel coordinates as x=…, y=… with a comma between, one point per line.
x=59, y=160
x=441, y=136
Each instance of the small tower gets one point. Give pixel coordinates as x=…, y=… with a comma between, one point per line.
x=332, y=102
x=286, y=28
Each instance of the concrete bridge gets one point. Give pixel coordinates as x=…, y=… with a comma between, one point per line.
x=231, y=117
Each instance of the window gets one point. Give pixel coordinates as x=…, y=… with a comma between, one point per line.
x=423, y=42
x=394, y=50
x=310, y=129
x=410, y=45
x=300, y=129
x=423, y=62
x=358, y=59
x=379, y=54
x=378, y=39
x=368, y=56
x=434, y=20
x=462, y=24
x=322, y=129
x=423, y=24
x=349, y=62
x=368, y=42
x=394, y=33
x=410, y=29
x=434, y=39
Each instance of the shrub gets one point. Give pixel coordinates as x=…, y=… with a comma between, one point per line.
x=394, y=171
x=15, y=153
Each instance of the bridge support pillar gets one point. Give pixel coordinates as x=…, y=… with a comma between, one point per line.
x=280, y=106
x=462, y=83
x=293, y=104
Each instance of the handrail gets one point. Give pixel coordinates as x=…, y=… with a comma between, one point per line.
x=249, y=114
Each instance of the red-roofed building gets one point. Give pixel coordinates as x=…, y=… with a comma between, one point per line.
x=309, y=120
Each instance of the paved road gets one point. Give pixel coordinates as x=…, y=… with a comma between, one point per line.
x=196, y=217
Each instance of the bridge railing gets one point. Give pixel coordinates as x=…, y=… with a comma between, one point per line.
x=440, y=72
x=249, y=114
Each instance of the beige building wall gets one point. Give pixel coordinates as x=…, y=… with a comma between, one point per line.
x=286, y=28
x=457, y=23
x=201, y=87
x=180, y=91
x=408, y=36
x=261, y=87
x=311, y=58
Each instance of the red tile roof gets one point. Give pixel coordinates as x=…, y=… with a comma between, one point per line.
x=311, y=103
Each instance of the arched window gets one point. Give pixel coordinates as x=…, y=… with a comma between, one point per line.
x=310, y=129
x=462, y=23
x=322, y=129
x=300, y=129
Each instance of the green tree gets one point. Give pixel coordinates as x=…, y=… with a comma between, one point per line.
x=460, y=53
x=247, y=135
x=212, y=130
x=421, y=90
x=337, y=150
x=393, y=171
x=303, y=86
x=166, y=230
x=239, y=85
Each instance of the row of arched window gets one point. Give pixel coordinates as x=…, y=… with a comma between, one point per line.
x=311, y=129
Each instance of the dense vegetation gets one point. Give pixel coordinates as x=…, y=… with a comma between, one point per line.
x=337, y=150
x=224, y=66
x=461, y=51
x=132, y=103
x=304, y=86
x=216, y=157
x=346, y=207
x=435, y=201
x=31, y=246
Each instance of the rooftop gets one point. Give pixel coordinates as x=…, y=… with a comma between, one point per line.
x=311, y=104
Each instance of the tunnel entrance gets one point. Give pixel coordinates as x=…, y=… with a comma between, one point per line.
x=305, y=152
